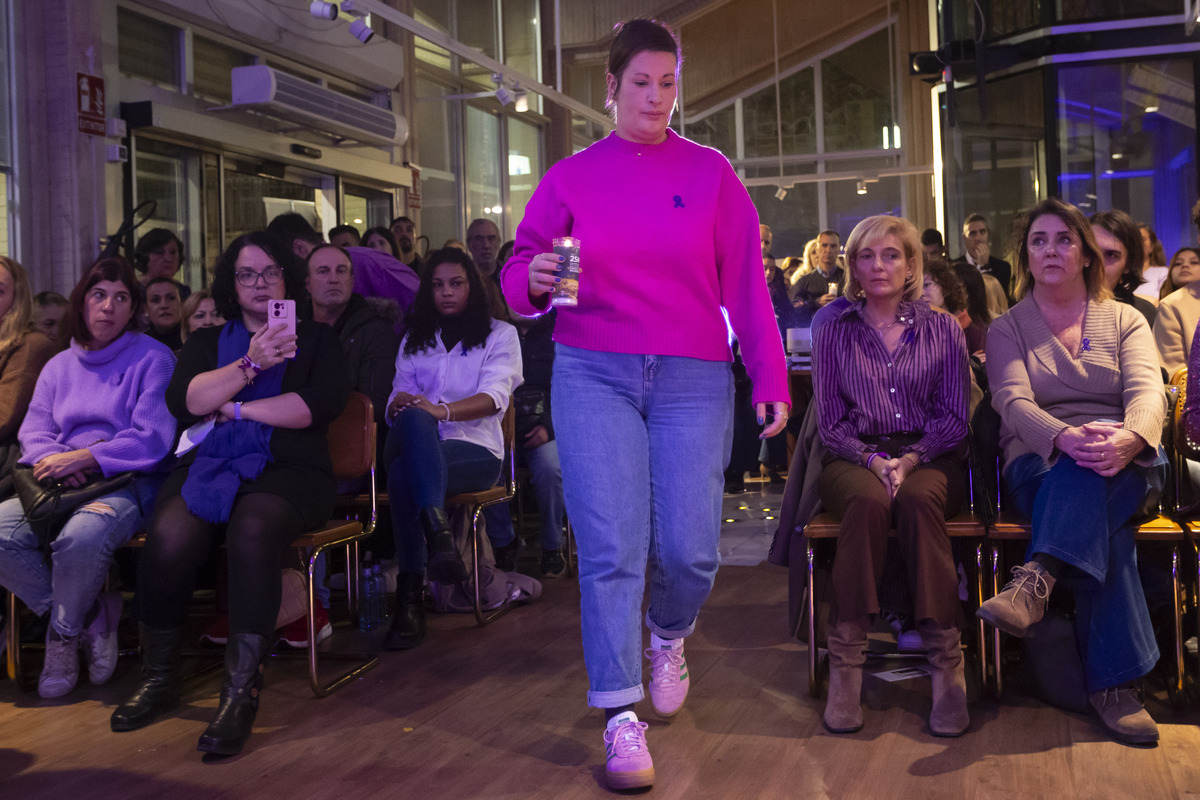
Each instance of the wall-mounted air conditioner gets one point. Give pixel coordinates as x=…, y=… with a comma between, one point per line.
x=278, y=94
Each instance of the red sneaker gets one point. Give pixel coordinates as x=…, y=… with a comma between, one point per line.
x=295, y=634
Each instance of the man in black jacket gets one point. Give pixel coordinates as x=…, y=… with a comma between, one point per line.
x=977, y=252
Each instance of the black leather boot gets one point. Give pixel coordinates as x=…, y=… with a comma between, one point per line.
x=226, y=735
x=159, y=689
x=445, y=564
x=408, y=624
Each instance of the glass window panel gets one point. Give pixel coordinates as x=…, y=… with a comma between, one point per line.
x=718, y=130
x=366, y=207
x=253, y=200
x=847, y=208
x=483, y=168
x=5, y=84
x=760, y=131
x=797, y=98
x=476, y=26
x=147, y=48
x=437, y=154
x=793, y=220
x=524, y=167
x=211, y=64
x=173, y=177
x=1127, y=138
x=522, y=38
x=857, y=97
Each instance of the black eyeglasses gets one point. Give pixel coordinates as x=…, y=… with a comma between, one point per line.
x=248, y=277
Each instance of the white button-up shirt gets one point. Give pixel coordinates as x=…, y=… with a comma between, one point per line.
x=442, y=377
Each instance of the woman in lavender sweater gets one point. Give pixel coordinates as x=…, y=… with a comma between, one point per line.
x=98, y=409
x=642, y=395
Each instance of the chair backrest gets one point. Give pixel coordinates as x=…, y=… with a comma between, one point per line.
x=352, y=439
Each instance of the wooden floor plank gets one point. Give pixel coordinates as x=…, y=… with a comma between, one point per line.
x=500, y=712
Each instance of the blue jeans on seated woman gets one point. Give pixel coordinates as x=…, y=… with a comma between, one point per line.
x=643, y=442
x=79, y=556
x=1084, y=520
x=422, y=470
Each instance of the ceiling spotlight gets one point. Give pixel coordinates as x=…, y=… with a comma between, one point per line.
x=521, y=104
x=361, y=30
x=322, y=10
x=862, y=187
x=504, y=95
x=780, y=193
x=1151, y=109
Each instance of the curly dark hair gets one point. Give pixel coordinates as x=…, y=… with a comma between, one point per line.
x=224, y=285
x=424, y=319
x=114, y=269
x=954, y=294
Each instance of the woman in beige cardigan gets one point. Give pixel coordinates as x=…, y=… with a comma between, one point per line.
x=1075, y=380
x=1179, y=312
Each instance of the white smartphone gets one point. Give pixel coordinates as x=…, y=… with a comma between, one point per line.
x=283, y=312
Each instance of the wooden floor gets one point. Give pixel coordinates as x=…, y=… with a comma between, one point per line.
x=500, y=713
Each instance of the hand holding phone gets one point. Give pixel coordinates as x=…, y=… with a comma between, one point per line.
x=282, y=313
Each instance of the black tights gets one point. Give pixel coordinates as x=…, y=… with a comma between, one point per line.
x=261, y=527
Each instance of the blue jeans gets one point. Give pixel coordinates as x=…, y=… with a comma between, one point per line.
x=422, y=470
x=545, y=475
x=644, y=441
x=1083, y=519
x=79, y=557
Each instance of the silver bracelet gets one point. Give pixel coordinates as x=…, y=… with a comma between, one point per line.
x=449, y=416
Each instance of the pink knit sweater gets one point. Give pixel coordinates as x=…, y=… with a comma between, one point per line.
x=668, y=236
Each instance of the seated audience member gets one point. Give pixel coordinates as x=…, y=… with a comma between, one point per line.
x=199, y=311
x=977, y=251
x=933, y=246
x=260, y=477
x=381, y=239
x=455, y=372
x=369, y=343
x=1081, y=402
x=1154, y=267
x=1179, y=311
x=975, y=284
x=812, y=289
x=1171, y=283
x=344, y=236
x=164, y=310
x=791, y=265
x=1120, y=243
x=296, y=232
x=537, y=449
x=158, y=254
x=483, y=243
x=97, y=411
x=895, y=460
x=404, y=231
x=24, y=350
x=943, y=290
x=49, y=310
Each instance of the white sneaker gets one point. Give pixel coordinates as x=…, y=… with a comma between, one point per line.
x=61, y=670
x=99, y=639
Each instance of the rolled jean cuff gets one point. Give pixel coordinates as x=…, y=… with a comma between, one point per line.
x=663, y=633
x=621, y=697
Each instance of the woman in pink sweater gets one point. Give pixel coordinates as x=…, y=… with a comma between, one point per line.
x=642, y=394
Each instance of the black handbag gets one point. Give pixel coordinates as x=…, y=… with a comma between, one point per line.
x=532, y=409
x=50, y=503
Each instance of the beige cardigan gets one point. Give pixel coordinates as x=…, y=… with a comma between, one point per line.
x=1039, y=389
x=1174, y=327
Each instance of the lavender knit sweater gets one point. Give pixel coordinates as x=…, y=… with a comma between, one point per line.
x=110, y=401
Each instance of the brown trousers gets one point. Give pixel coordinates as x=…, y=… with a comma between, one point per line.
x=931, y=494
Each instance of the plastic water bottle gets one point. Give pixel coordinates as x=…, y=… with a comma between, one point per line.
x=381, y=606
x=368, y=601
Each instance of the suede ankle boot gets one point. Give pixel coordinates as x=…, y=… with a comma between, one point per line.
x=847, y=654
x=159, y=689
x=445, y=564
x=408, y=623
x=948, y=717
x=245, y=657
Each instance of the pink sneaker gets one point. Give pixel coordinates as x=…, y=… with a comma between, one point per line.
x=629, y=764
x=668, y=678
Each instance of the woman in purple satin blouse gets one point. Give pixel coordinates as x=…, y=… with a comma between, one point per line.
x=891, y=395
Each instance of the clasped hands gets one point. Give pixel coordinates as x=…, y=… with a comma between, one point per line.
x=404, y=400
x=892, y=471
x=1103, y=447
x=71, y=468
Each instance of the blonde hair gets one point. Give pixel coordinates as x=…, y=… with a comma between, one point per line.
x=19, y=319
x=189, y=307
x=871, y=230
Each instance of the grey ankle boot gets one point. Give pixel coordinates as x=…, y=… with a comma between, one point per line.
x=847, y=654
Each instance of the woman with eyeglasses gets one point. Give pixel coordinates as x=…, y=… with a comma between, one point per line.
x=259, y=477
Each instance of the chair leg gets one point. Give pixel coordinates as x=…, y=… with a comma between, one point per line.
x=997, y=677
x=814, y=681
x=1178, y=600
x=481, y=617
x=365, y=662
x=13, y=646
x=983, y=655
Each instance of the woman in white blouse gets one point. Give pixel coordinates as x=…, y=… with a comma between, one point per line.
x=455, y=372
